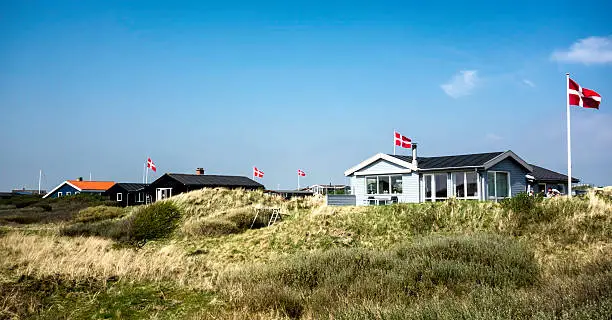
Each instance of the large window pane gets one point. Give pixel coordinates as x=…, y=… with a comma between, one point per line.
x=458, y=178
x=383, y=185
x=371, y=185
x=471, y=180
x=440, y=183
x=501, y=182
x=396, y=184
x=491, y=184
x=428, y=187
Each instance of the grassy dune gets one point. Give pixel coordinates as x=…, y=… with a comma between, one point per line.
x=194, y=256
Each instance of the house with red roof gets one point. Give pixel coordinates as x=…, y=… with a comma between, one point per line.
x=72, y=187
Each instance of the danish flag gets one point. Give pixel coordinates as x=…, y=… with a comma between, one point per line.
x=257, y=173
x=583, y=97
x=151, y=165
x=301, y=173
x=402, y=141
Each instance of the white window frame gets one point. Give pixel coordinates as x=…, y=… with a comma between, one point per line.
x=388, y=176
x=60, y=194
x=119, y=196
x=77, y=192
x=495, y=184
x=433, y=197
x=140, y=197
x=68, y=193
x=454, y=185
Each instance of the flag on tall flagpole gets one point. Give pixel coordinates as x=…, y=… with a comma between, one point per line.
x=149, y=165
x=257, y=173
x=401, y=141
x=582, y=97
x=300, y=173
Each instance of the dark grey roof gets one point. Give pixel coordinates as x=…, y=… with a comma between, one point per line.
x=128, y=186
x=545, y=175
x=464, y=160
x=207, y=180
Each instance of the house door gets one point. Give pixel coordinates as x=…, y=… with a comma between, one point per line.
x=163, y=193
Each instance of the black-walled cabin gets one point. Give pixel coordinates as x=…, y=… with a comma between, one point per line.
x=128, y=194
x=171, y=184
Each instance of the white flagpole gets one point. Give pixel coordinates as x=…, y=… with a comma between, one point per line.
x=39, y=180
x=144, y=169
x=147, y=170
x=569, y=140
x=298, y=181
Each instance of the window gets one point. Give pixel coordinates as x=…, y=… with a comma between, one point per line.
x=119, y=196
x=436, y=187
x=384, y=185
x=498, y=184
x=140, y=197
x=77, y=192
x=396, y=184
x=428, y=187
x=59, y=194
x=465, y=185
x=68, y=193
x=542, y=187
x=371, y=185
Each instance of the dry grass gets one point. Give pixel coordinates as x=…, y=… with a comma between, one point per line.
x=577, y=231
x=85, y=258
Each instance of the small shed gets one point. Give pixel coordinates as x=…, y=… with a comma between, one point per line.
x=128, y=194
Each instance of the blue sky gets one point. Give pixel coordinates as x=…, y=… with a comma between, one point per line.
x=97, y=86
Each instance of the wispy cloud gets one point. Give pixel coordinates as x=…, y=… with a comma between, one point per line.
x=529, y=83
x=493, y=137
x=591, y=50
x=461, y=84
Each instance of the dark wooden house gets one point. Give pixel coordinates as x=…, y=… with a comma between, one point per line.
x=128, y=194
x=171, y=184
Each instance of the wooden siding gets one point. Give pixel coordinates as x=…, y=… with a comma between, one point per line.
x=63, y=189
x=410, y=182
x=340, y=200
x=518, y=182
x=380, y=167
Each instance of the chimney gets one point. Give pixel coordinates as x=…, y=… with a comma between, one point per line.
x=414, y=155
x=200, y=171
x=80, y=179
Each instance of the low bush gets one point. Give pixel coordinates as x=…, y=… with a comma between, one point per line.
x=155, y=221
x=98, y=213
x=325, y=280
x=119, y=230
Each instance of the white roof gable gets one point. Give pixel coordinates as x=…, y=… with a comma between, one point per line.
x=407, y=166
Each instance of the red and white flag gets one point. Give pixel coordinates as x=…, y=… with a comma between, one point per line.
x=301, y=173
x=582, y=97
x=402, y=141
x=257, y=173
x=151, y=165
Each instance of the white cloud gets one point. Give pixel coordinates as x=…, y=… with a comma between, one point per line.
x=591, y=50
x=462, y=84
x=529, y=83
x=493, y=137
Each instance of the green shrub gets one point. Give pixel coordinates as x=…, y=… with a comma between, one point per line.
x=24, y=201
x=45, y=207
x=213, y=228
x=98, y=213
x=324, y=280
x=155, y=221
x=526, y=208
x=119, y=230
